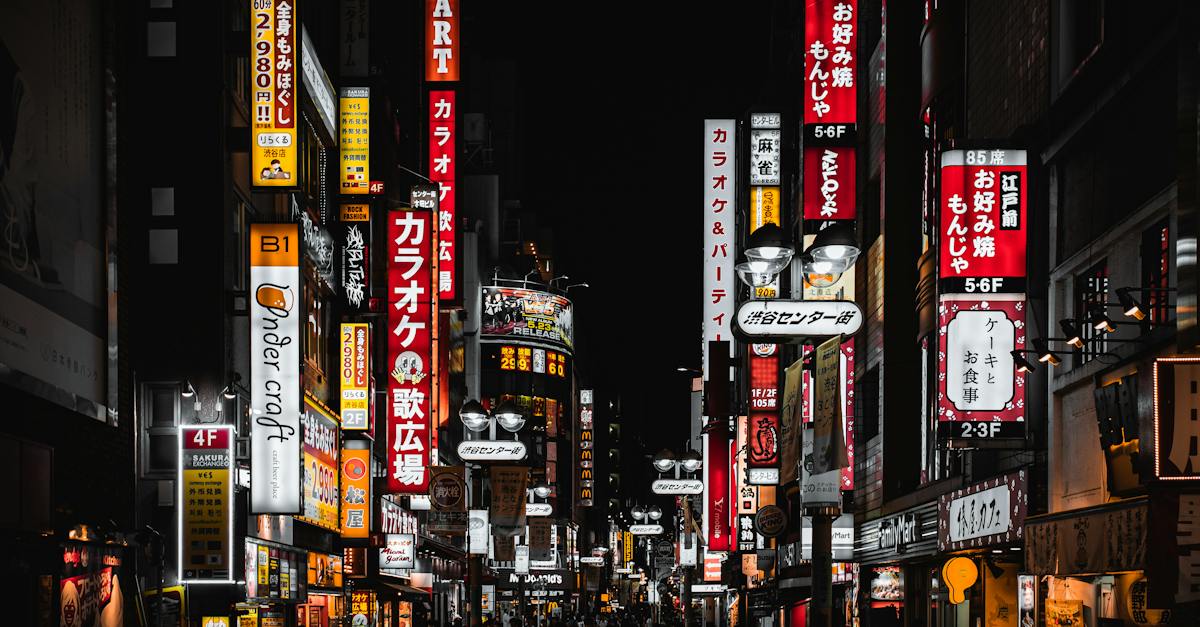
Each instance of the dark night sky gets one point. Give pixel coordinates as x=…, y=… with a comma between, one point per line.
x=613, y=102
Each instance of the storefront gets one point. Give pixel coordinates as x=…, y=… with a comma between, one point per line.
x=276, y=579
x=795, y=581
x=983, y=523
x=325, y=605
x=1100, y=565
x=898, y=567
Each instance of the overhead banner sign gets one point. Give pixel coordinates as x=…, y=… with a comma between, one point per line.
x=796, y=320
x=410, y=343
x=356, y=492
x=983, y=221
x=320, y=466
x=356, y=376
x=355, y=130
x=443, y=116
x=275, y=391
x=508, y=496
x=829, y=450
x=441, y=40
x=720, y=207
x=206, y=503
x=515, y=313
x=790, y=423
x=980, y=393
x=274, y=25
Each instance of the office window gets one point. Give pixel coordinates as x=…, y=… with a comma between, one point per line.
x=161, y=406
x=1156, y=272
x=1091, y=298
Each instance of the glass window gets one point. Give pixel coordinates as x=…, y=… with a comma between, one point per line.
x=1156, y=273
x=160, y=410
x=1091, y=300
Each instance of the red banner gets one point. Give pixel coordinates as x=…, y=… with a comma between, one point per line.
x=762, y=435
x=983, y=219
x=441, y=40
x=829, y=183
x=716, y=472
x=442, y=119
x=410, y=349
x=830, y=43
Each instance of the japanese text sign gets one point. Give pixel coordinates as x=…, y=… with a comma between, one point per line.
x=829, y=183
x=206, y=503
x=717, y=483
x=275, y=314
x=354, y=127
x=441, y=40
x=830, y=43
x=829, y=450
x=720, y=209
x=321, y=449
x=795, y=320
x=273, y=107
x=356, y=493
x=980, y=393
x=442, y=115
x=356, y=247
x=410, y=343
x=762, y=444
x=982, y=238
x=764, y=156
x=985, y=514
x=355, y=368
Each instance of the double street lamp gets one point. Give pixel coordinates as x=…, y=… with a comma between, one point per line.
x=475, y=416
x=768, y=253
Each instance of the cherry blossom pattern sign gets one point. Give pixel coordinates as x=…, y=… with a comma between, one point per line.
x=983, y=206
x=410, y=344
x=980, y=393
x=985, y=514
x=720, y=207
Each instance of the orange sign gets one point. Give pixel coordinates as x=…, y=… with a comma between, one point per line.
x=441, y=40
x=356, y=493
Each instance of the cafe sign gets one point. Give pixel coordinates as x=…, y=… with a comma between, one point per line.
x=984, y=514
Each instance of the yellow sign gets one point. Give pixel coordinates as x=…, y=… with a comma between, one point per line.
x=355, y=129
x=627, y=546
x=249, y=619
x=274, y=110
x=355, y=375
x=205, y=510
x=214, y=621
x=959, y=573
x=764, y=207
x=355, y=212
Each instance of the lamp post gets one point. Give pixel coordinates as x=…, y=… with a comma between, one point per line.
x=476, y=418
x=666, y=461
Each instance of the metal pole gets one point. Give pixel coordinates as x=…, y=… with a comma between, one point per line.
x=821, y=614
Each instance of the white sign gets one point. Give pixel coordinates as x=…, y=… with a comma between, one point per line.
x=522, y=563
x=688, y=543
x=708, y=588
x=980, y=514
x=843, y=538
x=677, y=486
x=591, y=560
x=720, y=209
x=645, y=530
x=765, y=120
x=979, y=366
x=478, y=531
x=419, y=503
x=762, y=476
x=538, y=509
x=276, y=307
x=764, y=157
x=820, y=489
x=794, y=320
x=399, y=551
x=316, y=81
x=491, y=450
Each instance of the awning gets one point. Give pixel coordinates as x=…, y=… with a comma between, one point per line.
x=404, y=588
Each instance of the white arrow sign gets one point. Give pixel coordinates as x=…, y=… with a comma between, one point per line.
x=794, y=320
x=491, y=450
x=677, y=486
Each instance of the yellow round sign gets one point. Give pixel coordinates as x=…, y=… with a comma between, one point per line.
x=959, y=574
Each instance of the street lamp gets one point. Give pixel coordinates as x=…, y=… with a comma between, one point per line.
x=654, y=512
x=476, y=418
x=835, y=248
x=541, y=490
x=638, y=512
x=768, y=250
